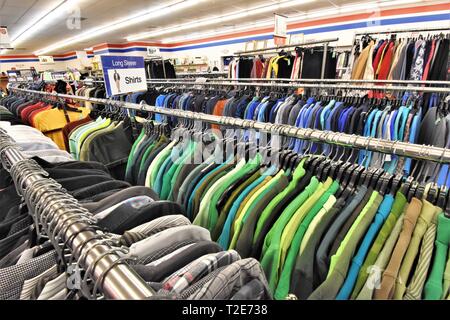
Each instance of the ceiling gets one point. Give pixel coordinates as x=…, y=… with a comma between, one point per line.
x=17, y=14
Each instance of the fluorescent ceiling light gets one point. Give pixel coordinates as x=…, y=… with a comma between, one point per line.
x=149, y=14
x=358, y=7
x=224, y=31
x=397, y=2
x=220, y=19
x=42, y=21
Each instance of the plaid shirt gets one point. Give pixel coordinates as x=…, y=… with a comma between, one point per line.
x=227, y=282
x=196, y=270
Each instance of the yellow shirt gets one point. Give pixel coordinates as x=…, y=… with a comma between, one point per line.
x=52, y=121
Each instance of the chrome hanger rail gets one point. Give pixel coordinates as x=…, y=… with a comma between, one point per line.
x=307, y=85
x=198, y=74
x=401, y=31
x=292, y=81
x=69, y=226
x=404, y=149
x=262, y=50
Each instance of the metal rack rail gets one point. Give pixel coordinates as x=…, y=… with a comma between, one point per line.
x=68, y=224
x=308, y=85
x=294, y=81
x=405, y=149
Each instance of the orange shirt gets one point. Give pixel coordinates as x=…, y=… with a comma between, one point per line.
x=218, y=111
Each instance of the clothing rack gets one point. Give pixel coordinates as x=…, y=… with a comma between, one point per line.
x=325, y=43
x=418, y=82
x=202, y=74
x=404, y=149
x=307, y=85
x=401, y=31
x=67, y=224
x=292, y=82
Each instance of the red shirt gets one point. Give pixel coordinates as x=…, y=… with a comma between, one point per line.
x=430, y=56
x=377, y=59
x=386, y=62
x=33, y=114
x=26, y=111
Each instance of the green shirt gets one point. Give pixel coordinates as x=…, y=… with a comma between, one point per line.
x=74, y=136
x=84, y=134
x=434, y=285
x=208, y=214
x=176, y=167
x=84, y=150
x=152, y=170
x=229, y=203
x=271, y=254
x=131, y=155
x=340, y=261
x=347, y=238
x=299, y=215
x=250, y=205
x=248, y=200
x=298, y=173
x=285, y=279
x=316, y=221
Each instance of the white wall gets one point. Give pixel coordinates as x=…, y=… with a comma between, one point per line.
x=57, y=66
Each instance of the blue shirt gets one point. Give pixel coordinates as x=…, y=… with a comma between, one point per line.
x=358, y=259
x=316, y=126
x=362, y=154
x=413, y=131
x=307, y=123
x=274, y=110
x=298, y=124
x=325, y=113
x=251, y=109
x=159, y=103
x=373, y=133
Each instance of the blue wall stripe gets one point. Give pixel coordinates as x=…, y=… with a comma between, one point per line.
x=66, y=59
x=363, y=24
x=36, y=60
x=18, y=60
x=221, y=43
x=144, y=49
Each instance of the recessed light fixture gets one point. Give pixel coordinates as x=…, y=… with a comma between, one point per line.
x=144, y=15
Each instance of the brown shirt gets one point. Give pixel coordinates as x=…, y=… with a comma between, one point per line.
x=387, y=287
